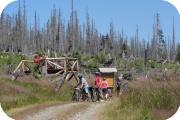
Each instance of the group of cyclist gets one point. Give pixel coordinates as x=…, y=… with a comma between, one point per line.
x=100, y=86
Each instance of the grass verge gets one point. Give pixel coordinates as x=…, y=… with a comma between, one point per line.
x=144, y=104
x=14, y=94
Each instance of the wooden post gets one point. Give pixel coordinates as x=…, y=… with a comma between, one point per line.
x=23, y=67
x=77, y=65
x=65, y=64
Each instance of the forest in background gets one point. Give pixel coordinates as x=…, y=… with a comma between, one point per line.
x=65, y=38
x=157, y=95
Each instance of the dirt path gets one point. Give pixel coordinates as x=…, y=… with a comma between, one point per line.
x=70, y=111
x=92, y=112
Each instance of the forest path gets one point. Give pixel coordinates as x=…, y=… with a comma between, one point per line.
x=69, y=111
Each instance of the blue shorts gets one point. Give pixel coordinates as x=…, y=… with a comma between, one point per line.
x=105, y=90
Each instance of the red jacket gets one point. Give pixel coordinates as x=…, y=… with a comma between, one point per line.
x=98, y=81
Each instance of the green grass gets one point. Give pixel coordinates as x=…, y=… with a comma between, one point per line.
x=9, y=59
x=117, y=112
x=138, y=104
x=20, y=94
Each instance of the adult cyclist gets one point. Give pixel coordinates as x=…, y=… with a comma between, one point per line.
x=83, y=84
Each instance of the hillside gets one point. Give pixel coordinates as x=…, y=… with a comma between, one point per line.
x=26, y=91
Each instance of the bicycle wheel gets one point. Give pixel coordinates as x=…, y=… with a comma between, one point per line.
x=76, y=96
x=94, y=96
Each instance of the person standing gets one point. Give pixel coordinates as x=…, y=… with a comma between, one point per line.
x=97, y=84
x=104, y=87
x=118, y=85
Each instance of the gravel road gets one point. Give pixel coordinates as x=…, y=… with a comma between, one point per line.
x=70, y=111
x=51, y=112
x=91, y=113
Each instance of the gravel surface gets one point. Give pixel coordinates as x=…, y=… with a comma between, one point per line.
x=91, y=113
x=51, y=112
x=70, y=111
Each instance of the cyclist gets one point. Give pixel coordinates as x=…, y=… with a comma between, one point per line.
x=83, y=84
x=98, y=80
x=97, y=84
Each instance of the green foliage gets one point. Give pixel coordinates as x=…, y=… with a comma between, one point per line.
x=163, y=98
x=117, y=112
x=7, y=58
x=9, y=61
x=138, y=104
x=76, y=55
x=137, y=64
x=120, y=62
x=36, y=71
x=92, y=63
x=40, y=52
x=100, y=58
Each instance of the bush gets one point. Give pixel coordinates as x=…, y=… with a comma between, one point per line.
x=100, y=58
x=9, y=61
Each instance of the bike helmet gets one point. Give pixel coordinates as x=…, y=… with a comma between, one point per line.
x=97, y=73
x=80, y=76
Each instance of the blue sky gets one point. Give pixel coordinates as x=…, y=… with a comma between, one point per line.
x=125, y=14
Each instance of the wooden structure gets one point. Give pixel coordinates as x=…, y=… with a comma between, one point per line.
x=63, y=68
x=109, y=74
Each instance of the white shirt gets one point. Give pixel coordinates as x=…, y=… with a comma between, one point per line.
x=84, y=82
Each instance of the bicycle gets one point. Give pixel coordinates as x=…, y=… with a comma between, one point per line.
x=80, y=95
x=76, y=96
x=99, y=95
x=95, y=95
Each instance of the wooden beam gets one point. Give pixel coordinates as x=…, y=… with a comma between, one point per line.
x=18, y=67
x=69, y=76
x=60, y=72
x=73, y=66
x=23, y=68
x=65, y=65
x=55, y=64
x=29, y=61
x=77, y=65
x=61, y=58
